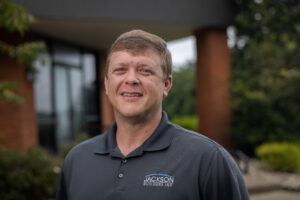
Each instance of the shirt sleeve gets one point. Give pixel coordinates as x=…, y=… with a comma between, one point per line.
x=223, y=179
x=61, y=192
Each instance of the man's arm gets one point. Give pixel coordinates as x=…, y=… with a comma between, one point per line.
x=61, y=192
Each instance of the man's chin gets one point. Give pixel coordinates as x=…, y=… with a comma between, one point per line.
x=132, y=113
x=138, y=112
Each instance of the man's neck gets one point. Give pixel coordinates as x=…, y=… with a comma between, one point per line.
x=132, y=133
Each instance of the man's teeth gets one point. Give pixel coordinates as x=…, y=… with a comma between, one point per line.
x=131, y=95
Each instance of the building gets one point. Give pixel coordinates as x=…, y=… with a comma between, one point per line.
x=67, y=96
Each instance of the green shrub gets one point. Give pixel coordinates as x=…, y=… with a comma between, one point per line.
x=64, y=150
x=27, y=176
x=188, y=122
x=280, y=156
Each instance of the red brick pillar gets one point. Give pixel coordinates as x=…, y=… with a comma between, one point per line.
x=107, y=114
x=213, y=82
x=18, y=123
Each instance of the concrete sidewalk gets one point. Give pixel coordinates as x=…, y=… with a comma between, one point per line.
x=276, y=195
x=264, y=184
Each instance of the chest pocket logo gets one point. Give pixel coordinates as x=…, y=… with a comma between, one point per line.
x=158, y=180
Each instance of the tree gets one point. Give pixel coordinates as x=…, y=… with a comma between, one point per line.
x=181, y=99
x=14, y=18
x=266, y=73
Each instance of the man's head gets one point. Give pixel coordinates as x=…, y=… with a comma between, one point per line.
x=138, y=41
x=138, y=75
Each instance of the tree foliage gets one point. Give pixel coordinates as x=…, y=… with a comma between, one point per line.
x=181, y=99
x=7, y=92
x=14, y=18
x=266, y=73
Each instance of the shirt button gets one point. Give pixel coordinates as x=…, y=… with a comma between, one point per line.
x=124, y=161
x=121, y=175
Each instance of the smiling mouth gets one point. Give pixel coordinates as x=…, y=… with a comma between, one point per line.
x=131, y=94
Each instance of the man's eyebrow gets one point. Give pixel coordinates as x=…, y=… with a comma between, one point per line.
x=145, y=65
x=122, y=64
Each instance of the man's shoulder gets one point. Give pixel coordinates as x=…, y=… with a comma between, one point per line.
x=185, y=137
x=203, y=148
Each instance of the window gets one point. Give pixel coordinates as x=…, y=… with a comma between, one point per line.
x=66, y=95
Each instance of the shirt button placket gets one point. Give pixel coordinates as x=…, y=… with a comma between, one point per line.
x=121, y=174
x=121, y=178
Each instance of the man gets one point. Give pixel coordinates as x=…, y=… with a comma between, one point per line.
x=144, y=156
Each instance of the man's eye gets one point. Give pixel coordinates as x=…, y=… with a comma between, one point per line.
x=119, y=69
x=146, y=71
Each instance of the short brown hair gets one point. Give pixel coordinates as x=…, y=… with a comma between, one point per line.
x=137, y=41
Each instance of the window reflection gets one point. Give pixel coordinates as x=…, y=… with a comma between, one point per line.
x=42, y=85
x=43, y=102
x=76, y=100
x=62, y=106
x=89, y=67
x=91, y=95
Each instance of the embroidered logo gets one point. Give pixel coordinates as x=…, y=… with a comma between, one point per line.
x=158, y=180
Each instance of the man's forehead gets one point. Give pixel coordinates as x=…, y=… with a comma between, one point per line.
x=123, y=54
x=139, y=51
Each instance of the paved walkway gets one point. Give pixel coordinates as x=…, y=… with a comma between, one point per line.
x=276, y=195
x=264, y=184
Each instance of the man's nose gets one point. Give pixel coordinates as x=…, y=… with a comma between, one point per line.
x=132, y=77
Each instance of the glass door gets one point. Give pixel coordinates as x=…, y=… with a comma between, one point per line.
x=76, y=95
x=68, y=103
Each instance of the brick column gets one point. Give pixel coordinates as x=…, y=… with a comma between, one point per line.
x=18, y=123
x=213, y=82
x=107, y=114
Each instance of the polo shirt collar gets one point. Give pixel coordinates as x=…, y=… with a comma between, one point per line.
x=107, y=143
x=162, y=136
x=160, y=139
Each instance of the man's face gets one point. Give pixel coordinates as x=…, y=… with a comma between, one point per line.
x=134, y=84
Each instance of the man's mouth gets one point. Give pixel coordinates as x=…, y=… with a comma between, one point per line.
x=125, y=94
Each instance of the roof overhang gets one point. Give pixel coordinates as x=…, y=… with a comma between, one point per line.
x=97, y=23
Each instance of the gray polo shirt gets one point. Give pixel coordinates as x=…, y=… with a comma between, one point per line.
x=173, y=164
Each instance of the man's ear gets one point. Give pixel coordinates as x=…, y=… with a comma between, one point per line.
x=168, y=86
x=105, y=85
